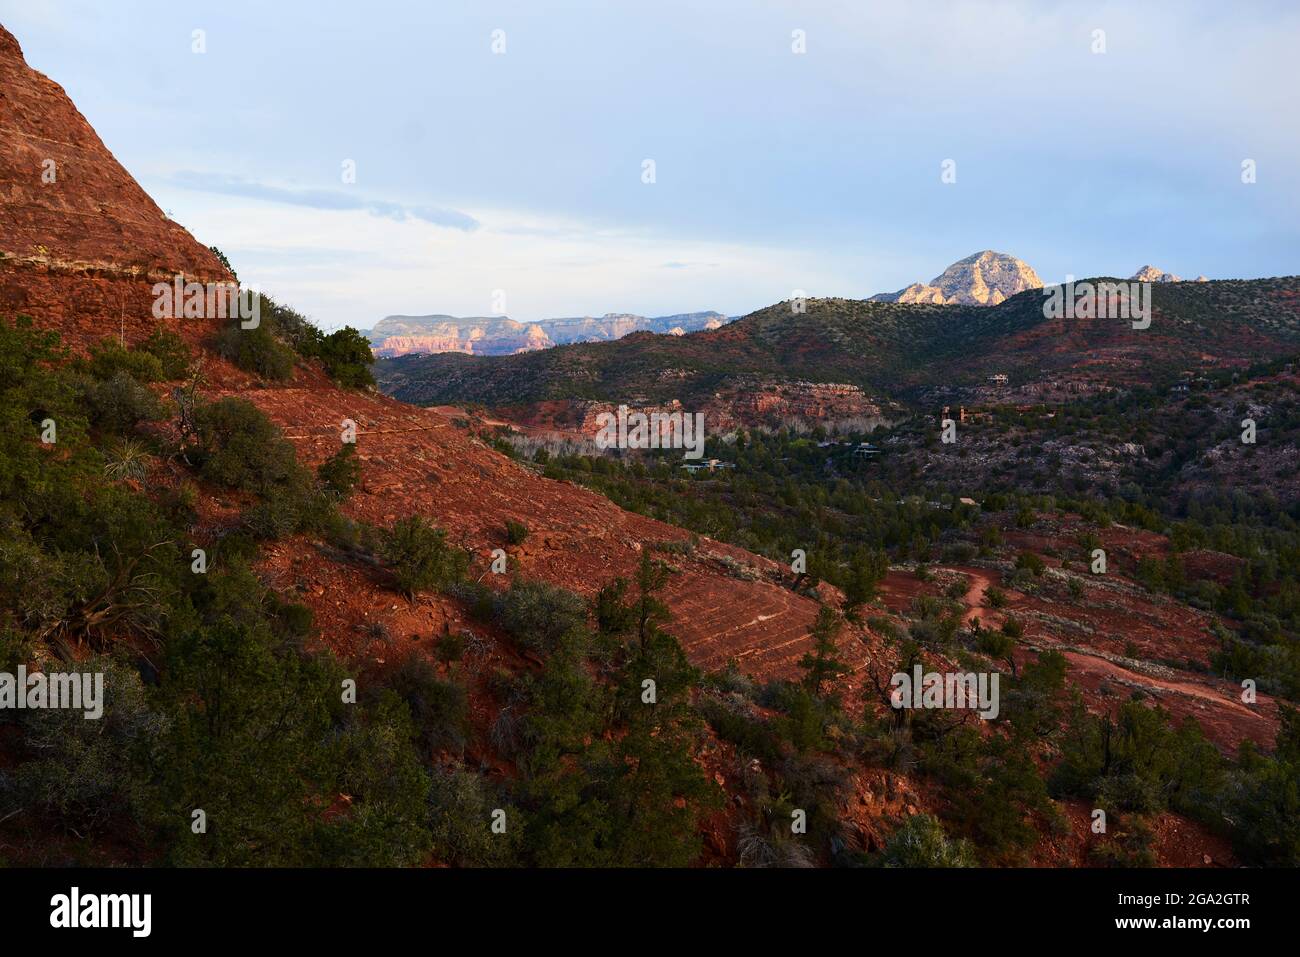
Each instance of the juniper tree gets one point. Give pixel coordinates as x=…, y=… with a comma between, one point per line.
x=821, y=664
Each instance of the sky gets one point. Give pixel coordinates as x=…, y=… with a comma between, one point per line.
x=500, y=148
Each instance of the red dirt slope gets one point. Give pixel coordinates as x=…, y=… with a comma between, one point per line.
x=726, y=602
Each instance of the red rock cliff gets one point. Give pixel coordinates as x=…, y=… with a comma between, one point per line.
x=81, y=243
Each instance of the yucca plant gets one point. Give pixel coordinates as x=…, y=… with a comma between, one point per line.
x=128, y=459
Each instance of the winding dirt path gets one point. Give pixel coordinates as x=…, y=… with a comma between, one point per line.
x=981, y=581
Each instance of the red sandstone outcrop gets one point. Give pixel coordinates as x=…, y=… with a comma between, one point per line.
x=502, y=336
x=740, y=405
x=66, y=199
x=80, y=242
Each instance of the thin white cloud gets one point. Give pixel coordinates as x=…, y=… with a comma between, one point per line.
x=332, y=199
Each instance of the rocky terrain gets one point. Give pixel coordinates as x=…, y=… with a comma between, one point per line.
x=1118, y=638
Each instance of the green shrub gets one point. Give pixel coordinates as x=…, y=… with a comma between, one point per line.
x=109, y=358
x=921, y=842
x=460, y=816
x=439, y=709
x=957, y=590
x=752, y=736
x=1263, y=800
x=340, y=472
x=419, y=556
x=539, y=616
x=959, y=553
x=172, y=352
x=282, y=331
x=1131, y=847
x=481, y=600
x=15, y=649
x=451, y=647
x=278, y=516
x=256, y=350
x=346, y=356
x=995, y=644
x=89, y=775
x=221, y=257
x=290, y=326
x=1031, y=563
x=293, y=620
x=516, y=532
x=1137, y=762
x=258, y=736
x=240, y=447
x=120, y=403
x=886, y=627
x=802, y=718
x=377, y=766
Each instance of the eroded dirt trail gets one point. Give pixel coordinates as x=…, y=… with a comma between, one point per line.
x=981, y=581
x=1218, y=708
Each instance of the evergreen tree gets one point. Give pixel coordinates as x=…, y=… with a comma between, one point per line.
x=821, y=664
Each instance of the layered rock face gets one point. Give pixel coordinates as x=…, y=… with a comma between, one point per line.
x=779, y=403
x=981, y=279
x=617, y=325
x=501, y=336
x=590, y=329
x=480, y=336
x=740, y=404
x=81, y=244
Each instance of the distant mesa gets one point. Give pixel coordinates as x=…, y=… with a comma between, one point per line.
x=502, y=336
x=982, y=279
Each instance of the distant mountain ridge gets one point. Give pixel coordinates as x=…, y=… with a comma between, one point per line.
x=500, y=335
x=899, y=351
x=987, y=278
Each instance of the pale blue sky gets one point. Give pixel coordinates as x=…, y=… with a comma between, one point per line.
x=775, y=171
